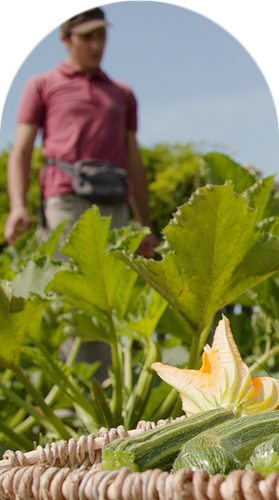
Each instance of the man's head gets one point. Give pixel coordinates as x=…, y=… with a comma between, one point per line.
x=84, y=23
x=84, y=35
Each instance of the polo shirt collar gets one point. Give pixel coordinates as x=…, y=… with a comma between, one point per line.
x=68, y=70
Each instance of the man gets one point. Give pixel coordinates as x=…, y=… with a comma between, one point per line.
x=83, y=114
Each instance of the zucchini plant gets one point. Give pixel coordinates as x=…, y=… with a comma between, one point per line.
x=216, y=248
x=103, y=300
x=221, y=391
x=214, y=251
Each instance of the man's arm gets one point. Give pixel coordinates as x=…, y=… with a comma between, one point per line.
x=18, y=180
x=139, y=193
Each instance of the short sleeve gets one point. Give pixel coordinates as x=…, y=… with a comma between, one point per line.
x=31, y=108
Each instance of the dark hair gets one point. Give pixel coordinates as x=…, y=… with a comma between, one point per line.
x=88, y=15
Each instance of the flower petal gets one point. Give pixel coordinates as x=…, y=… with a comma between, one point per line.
x=223, y=380
x=196, y=395
x=234, y=377
x=265, y=397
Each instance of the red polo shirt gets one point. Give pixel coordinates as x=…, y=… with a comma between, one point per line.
x=81, y=117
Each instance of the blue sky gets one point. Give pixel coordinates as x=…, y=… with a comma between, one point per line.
x=193, y=80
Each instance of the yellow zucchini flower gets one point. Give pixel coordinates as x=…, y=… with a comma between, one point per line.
x=223, y=380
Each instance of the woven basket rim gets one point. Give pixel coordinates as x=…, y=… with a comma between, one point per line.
x=51, y=473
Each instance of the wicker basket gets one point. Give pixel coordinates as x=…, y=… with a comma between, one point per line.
x=72, y=471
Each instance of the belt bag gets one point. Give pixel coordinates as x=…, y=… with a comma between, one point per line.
x=98, y=181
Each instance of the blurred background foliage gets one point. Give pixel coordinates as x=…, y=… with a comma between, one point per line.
x=174, y=172
x=33, y=193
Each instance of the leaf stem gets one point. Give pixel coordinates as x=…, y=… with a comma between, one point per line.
x=25, y=406
x=100, y=402
x=264, y=358
x=20, y=441
x=20, y=426
x=25, y=425
x=18, y=418
x=204, y=336
x=139, y=396
x=116, y=402
x=66, y=385
x=164, y=410
x=53, y=419
x=73, y=352
x=198, y=341
x=128, y=376
x=55, y=390
x=194, y=351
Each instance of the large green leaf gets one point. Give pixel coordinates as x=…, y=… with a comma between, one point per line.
x=78, y=323
x=47, y=325
x=126, y=289
x=30, y=283
x=49, y=246
x=34, y=277
x=219, y=168
x=270, y=225
x=98, y=280
x=145, y=317
x=15, y=314
x=213, y=254
x=25, y=248
x=258, y=196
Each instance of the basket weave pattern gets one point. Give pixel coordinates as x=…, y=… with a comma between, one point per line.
x=72, y=471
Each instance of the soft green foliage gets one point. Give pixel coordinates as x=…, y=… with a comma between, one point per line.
x=213, y=253
x=15, y=256
x=15, y=314
x=145, y=317
x=96, y=282
x=4, y=198
x=33, y=197
x=100, y=299
x=173, y=173
x=265, y=457
x=220, y=248
x=35, y=276
x=218, y=168
x=95, y=286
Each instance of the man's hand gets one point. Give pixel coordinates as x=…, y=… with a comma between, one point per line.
x=148, y=245
x=17, y=224
x=18, y=180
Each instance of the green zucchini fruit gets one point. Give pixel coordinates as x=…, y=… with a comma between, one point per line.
x=265, y=457
x=157, y=448
x=227, y=446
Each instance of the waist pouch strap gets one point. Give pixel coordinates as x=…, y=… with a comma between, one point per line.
x=98, y=181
